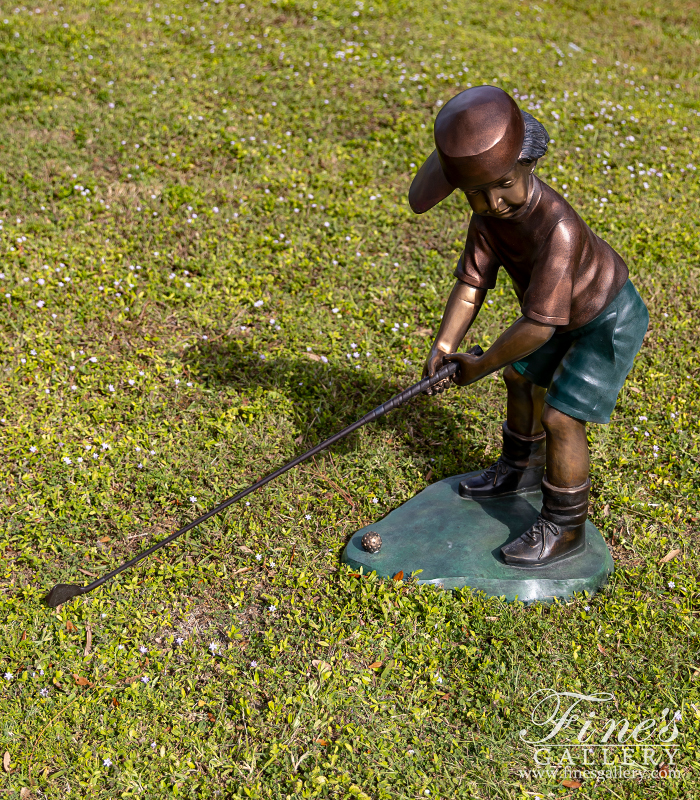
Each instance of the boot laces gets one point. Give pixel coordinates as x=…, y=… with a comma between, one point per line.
x=491, y=473
x=542, y=528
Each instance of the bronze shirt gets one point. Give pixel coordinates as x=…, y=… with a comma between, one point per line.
x=562, y=273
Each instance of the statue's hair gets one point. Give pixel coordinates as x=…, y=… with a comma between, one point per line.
x=536, y=139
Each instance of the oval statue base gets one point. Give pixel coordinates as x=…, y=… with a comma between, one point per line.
x=456, y=542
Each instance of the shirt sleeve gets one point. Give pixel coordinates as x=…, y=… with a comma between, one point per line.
x=478, y=265
x=549, y=295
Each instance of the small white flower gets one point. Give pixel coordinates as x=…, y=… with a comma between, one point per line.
x=253, y=664
x=258, y=557
x=9, y=676
x=153, y=745
x=44, y=692
x=677, y=716
x=107, y=762
x=193, y=499
x=671, y=585
x=335, y=310
x=214, y=646
x=375, y=500
x=307, y=516
x=586, y=608
x=179, y=640
x=145, y=679
x=258, y=303
x=143, y=649
x=40, y=304
x=273, y=608
x=272, y=563
x=33, y=449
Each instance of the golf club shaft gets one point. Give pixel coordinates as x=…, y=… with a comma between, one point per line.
x=447, y=371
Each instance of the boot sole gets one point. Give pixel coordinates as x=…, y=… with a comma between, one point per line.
x=530, y=565
x=484, y=496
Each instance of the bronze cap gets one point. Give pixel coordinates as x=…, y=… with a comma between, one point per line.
x=479, y=136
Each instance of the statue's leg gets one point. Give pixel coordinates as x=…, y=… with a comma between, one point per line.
x=525, y=404
x=520, y=467
x=560, y=530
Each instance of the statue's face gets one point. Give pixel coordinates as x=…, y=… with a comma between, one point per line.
x=503, y=197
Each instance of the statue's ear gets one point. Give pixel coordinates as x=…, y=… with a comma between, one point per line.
x=531, y=163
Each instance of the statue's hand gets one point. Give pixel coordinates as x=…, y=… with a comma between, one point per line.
x=432, y=365
x=470, y=367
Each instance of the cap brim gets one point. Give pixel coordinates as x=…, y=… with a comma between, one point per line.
x=430, y=186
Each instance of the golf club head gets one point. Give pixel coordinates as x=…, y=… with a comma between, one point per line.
x=61, y=593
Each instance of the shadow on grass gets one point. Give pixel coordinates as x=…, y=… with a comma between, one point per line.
x=326, y=398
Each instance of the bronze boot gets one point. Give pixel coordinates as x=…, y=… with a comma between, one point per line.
x=558, y=532
x=519, y=469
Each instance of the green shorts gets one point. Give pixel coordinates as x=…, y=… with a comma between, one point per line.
x=584, y=369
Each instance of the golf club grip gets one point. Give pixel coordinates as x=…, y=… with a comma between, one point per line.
x=444, y=372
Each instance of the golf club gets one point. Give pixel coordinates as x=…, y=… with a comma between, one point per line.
x=62, y=592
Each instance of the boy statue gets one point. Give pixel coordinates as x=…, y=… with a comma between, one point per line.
x=582, y=321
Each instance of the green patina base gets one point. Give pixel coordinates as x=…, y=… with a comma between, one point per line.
x=456, y=543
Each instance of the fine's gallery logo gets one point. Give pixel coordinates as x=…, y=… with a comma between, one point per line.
x=572, y=730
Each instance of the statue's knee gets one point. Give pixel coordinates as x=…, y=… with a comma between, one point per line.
x=556, y=422
x=515, y=382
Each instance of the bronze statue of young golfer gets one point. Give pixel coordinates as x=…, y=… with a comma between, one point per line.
x=582, y=320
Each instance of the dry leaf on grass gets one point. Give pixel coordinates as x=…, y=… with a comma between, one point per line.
x=245, y=549
x=80, y=680
x=670, y=556
x=398, y=576
x=601, y=649
x=375, y=665
x=321, y=666
x=663, y=770
x=88, y=641
x=571, y=784
x=239, y=571
x=70, y=627
x=6, y=761
x=313, y=356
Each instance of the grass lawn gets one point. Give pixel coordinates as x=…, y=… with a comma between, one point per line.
x=208, y=265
